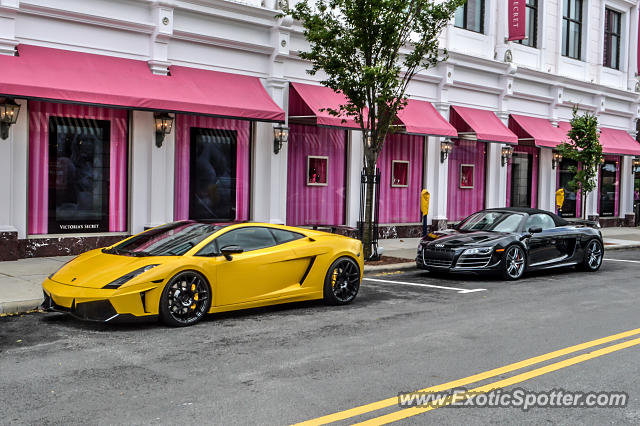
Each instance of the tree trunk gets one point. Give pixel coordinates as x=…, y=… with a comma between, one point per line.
x=367, y=226
x=584, y=204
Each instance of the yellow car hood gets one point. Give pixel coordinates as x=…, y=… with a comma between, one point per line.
x=95, y=269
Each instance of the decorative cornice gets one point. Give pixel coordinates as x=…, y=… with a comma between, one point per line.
x=103, y=21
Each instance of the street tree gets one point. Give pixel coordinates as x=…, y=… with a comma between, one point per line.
x=370, y=50
x=585, y=149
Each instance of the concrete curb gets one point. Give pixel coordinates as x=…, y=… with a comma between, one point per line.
x=390, y=267
x=621, y=247
x=19, y=306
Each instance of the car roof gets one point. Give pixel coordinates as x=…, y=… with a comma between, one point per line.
x=531, y=211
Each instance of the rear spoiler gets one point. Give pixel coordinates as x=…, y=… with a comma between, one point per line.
x=584, y=222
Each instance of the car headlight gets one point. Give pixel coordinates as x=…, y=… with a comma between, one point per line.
x=58, y=270
x=479, y=250
x=131, y=275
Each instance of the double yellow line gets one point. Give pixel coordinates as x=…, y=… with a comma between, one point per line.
x=408, y=412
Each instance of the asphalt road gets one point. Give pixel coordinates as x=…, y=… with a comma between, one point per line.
x=298, y=362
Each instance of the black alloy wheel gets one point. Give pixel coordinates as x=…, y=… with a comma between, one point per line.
x=514, y=262
x=593, y=255
x=185, y=299
x=342, y=282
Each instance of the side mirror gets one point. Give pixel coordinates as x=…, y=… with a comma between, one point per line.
x=229, y=250
x=535, y=230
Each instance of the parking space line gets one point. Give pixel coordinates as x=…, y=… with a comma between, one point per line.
x=500, y=371
x=622, y=260
x=459, y=290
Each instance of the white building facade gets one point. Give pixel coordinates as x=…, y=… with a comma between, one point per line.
x=83, y=166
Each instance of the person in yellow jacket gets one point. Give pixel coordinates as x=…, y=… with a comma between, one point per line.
x=559, y=200
x=424, y=209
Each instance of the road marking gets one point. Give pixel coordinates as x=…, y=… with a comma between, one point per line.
x=409, y=412
x=459, y=290
x=622, y=260
x=367, y=408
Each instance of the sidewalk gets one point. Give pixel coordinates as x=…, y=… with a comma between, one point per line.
x=21, y=280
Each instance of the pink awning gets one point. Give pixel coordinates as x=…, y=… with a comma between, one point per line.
x=421, y=118
x=618, y=142
x=538, y=130
x=307, y=103
x=485, y=125
x=63, y=75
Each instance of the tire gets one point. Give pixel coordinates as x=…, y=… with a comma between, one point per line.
x=342, y=282
x=514, y=262
x=185, y=299
x=593, y=254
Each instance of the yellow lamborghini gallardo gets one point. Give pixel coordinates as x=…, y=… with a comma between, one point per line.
x=182, y=270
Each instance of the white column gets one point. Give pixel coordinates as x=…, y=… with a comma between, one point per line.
x=8, y=12
x=592, y=199
x=632, y=69
x=626, y=186
x=546, y=181
x=152, y=174
x=495, y=177
x=269, y=176
x=436, y=180
x=14, y=166
x=355, y=161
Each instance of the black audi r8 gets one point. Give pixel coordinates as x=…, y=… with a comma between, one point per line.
x=511, y=241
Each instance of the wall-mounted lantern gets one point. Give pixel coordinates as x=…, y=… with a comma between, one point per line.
x=557, y=158
x=446, y=146
x=280, y=136
x=8, y=116
x=164, y=124
x=507, y=153
x=635, y=165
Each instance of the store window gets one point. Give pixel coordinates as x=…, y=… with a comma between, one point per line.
x=77, y=169
x=212, y=168
x=608, y=188
x=531, y=19
x=612, y=34
x=572, y=29
x=521, y=179
x=78, y=175
x=399, y=174
x=570, y=206
x=317, y=170
x=212, y=188
x=470, y=16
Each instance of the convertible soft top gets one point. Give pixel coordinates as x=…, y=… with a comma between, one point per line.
x=531, y=211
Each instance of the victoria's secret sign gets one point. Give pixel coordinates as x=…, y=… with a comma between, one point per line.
x=517, y=22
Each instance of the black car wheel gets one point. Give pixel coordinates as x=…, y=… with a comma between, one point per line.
x=514, y=262
x=342, y=282
x=593, y=255
x=185, y=299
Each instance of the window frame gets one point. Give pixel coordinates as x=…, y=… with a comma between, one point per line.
x=78, y=225
x=217, y=247
x=465, y=21
x=569, y=20
x=608, y=36
x=536, y=14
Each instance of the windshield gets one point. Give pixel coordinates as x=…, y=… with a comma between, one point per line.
x=492, y=221
x=173, y=239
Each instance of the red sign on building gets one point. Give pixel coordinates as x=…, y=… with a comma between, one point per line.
x=517, y=19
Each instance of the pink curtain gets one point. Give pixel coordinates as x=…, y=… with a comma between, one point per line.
x=39, y=113
x=316, y=205
x=461, y=202
x=183, y=125
x=534, y=151
x=401, y=204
